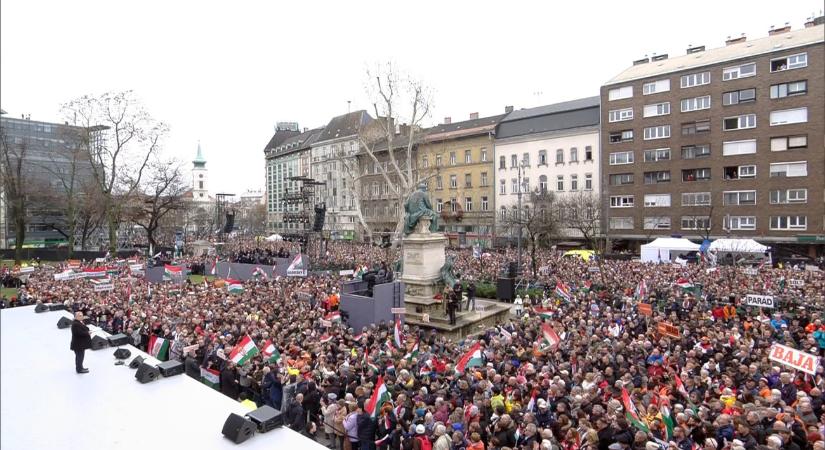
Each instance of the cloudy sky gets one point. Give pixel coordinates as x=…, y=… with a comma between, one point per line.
x=225, y=72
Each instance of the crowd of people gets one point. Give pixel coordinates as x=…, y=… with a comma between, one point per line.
x=611, y=381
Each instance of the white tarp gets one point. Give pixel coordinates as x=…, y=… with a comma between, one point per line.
x=275, y=237
x=659, y=249
x=737, y=246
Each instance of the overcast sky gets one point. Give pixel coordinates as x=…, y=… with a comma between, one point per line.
x=225, y=72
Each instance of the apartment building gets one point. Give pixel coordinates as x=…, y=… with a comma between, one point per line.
x=286, y=159
x=723, y=142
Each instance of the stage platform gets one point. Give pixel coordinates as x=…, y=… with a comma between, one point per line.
x=44, y=404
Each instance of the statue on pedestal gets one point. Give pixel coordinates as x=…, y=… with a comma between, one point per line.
x=419, y=210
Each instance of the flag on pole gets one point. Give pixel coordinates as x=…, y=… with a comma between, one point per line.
x=211, y=377
x=270, y=353
x=667, y=418
x=563, y=291
x=413, y=353
x=398, y=334
x=531, y=405
x=158, y=347
x=333, y=317
x=544, y=313
x=259, y=273
x=472, y=358
x=214, y=269
x=244, y=351
x=549, y=335
x=172, y=271
x=379, y=396
x=684, y=283
x=680, y=386
x=641, y=290
x=631, y=413
x=325, y=338
x=234, y=286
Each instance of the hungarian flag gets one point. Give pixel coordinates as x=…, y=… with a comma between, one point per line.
x=270, y=353
x=333, y=317
x=666, y=417
x=259, y=273
x=544, y=313
x=425, y=371
x=371, y=365
x=587, y=286
x=172, y=271
x=548, y=334
x=631, y=413
x=234, y=286
x=158, y=347
x=413, y=353
x=211, y=377
x=684, y=283
x=680, y=386
x=472, y=358
x=94, y=272
x=379, y=396
x=244, y=351
x=214, y=269
x=563, y=291
x=641, y=290
x=325, y=338
x=531, y=405
x=397, y=333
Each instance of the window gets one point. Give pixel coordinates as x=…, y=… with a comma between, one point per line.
x=200, y=184
x=733, y=148
x=782, y=143
x=620, y=93
x=588, y=182
x=696, y=199
x=574, y=182
x=525, y=184
x=789, y=89
x=425, y=161
x=620, y=136
x=695, y=222
x=438, y=160
x=740, y=223
x=502, y=187
x=468, y=204
x=620, y=115
x=513, y=161
x=514, y=186
x=620, y=179
x=789, y=222
x=789, y=169
x=658, y=176
x=733, y=198
x=695, y=79
x=733, y=73
x=654, y=87
x=789, y=116
x=438, y=183
x=702, y=174
x=700, y=126
x=621, y=223
x=696, y=151
x=588, y=152
x=525, y=159
x=543, y=183
x=574, y=155
x=657, y=132
x=786, y=196
x=542, y=157
x=740, y=172
x=657, y=200
x=621, y=201
x=452, y=158
x=468, y=180
x=483, y=154
x=453, y=205
x=696, y=103
x=559, y=156
x=502, y=162
x=657, y=223
x=484, y=180
x=789, y=62
x=468, y=156
x=657, y=109
x=621, y=158
x=503, y=213
x=560, y=183
x=439, y=205
x=453, y=181
x=659, y=154
x=737, y=97
x=739, y=122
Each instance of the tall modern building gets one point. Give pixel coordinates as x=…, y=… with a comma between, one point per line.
x=723, y=142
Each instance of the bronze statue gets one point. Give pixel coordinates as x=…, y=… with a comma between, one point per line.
x=418, y=206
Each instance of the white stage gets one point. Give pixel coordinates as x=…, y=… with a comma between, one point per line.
x=44, y=404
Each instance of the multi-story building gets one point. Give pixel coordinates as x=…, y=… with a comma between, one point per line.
x=557, y=147
x=288, y=159
x=334, y=152
x=456, y=160
x=719, y=142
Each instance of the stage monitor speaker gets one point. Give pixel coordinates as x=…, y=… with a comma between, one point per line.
x=136, y=362
x=505, y=289
x=41, y=308
x=122, y=353
x=266, y=418
x=238, y=429
x=118, y=340
x=57, y=307
x=99, y=343
x=147, y=373
x=171, y=368
x=64, y=323
x=230, y=223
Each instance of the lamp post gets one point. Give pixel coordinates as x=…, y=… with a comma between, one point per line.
x=518, y=218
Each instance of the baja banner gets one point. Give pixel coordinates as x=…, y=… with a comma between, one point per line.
x=298, y=267
x=794, y=358
x=762, y=301
x=667, y=329
x=645, y=309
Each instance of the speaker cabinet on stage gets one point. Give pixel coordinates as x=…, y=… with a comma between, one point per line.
x=506, y=289
x=266, y=418
x=171, y=368
x=238, y=429
x=64, y=323
x=147, y=373
x=99, y=343
x=136, y=362
x=118, y=340
x=57, y=307
x=230, y=223
x=41, y=308
x=122, y=353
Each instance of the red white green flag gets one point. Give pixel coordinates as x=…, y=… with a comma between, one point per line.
x=158, y=347
x=244, y=351
x=472, y=358
x=684, y=283
x=631, y=413
x=379, y=396
x=270, y=353
x=172, y=271
x=549, y=336
x=563, y=291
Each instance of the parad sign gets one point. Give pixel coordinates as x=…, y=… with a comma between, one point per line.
x=762, y=301
x=794, y=358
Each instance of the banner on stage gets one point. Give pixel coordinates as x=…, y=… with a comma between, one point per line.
x=762, y=301
x=794, y=358
x=667, y=329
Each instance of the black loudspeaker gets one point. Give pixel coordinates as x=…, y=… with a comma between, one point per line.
x=147, y=373
x=64, y=323
x=41, y=308
x=136, y=362
x=118, y=340
x=266, y=418
x=230, y=222
x=512, y=270
x=320, y=217
x=171, y=368
x=122, y=353
x=99, y=343
x=505, y=289
x=238, y=429
x=57, y=307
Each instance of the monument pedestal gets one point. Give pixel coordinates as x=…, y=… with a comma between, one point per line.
x=423, y=255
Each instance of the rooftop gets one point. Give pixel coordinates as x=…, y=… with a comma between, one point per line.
x=745, y=49
x=579, y=113
x=345, y=125
x=465, y=128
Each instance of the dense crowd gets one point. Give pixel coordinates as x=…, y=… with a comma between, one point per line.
x=712, y=387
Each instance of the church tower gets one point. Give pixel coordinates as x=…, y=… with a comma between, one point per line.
x=200, y=178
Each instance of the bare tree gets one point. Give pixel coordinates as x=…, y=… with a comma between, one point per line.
x=540, y=220
x=122, y=137
x=14, y=174
x=160, y=194
x=583, y=214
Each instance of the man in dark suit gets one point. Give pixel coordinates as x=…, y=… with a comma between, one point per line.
x=81, y=340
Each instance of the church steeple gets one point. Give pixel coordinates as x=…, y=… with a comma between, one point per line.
x=200, y=177
x=199, y=161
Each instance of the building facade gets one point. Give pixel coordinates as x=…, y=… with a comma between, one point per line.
x=456, y=160
x=557, y=147
x=288, y=159
x=200, y=178
x=720, y=142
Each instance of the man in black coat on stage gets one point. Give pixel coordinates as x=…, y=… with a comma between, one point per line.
x=81, y=340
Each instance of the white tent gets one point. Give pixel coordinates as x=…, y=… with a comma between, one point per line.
x=737, y=246
x=275, y=237
x=660, y=249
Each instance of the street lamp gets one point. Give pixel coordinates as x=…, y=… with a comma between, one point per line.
x=518, y=216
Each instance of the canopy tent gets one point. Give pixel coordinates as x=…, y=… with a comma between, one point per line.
x=737, y=246
x=275, y=237
x=660, y=249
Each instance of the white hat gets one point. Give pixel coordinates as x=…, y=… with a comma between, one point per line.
x=419, y=429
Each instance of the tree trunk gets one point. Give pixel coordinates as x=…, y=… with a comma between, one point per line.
x=111, y=218
x=72, y=228
x=533, y=255
x=19, y=232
